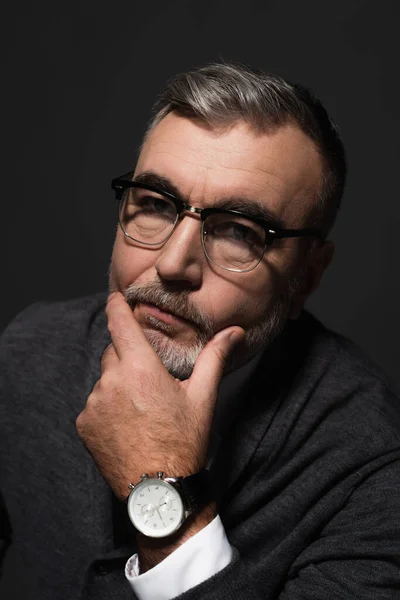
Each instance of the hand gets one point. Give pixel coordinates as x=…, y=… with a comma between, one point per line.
x=138, y=418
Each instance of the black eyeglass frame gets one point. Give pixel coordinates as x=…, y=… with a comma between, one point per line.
x=122, y=183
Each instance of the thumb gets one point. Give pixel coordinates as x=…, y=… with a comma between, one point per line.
x=212, y=360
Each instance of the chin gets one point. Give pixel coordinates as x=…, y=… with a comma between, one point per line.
x=179, y=359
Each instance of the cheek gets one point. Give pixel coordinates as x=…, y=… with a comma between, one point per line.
x=129, y=262
x=245, y=304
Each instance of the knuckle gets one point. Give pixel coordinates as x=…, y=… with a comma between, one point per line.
x=114, y=320
x=111, y=303
x=111, y=324
x=107, y=381
x=80, y=422
x=104, y=360
x=108, y=350
x=95, y=389
x=92, y=399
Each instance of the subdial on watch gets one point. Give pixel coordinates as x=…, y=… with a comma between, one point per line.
x=147, y=510
x=165, y=503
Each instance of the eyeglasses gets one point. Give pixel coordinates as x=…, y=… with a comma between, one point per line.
x=231, y=240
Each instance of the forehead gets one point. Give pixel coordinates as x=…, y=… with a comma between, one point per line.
x=280, y=169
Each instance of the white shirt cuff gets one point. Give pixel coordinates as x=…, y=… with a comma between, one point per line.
x=200, y=557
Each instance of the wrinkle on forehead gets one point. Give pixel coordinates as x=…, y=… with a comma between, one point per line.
x=206, y=154
x=210, y=167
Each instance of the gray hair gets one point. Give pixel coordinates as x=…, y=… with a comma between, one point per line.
x=220, y=94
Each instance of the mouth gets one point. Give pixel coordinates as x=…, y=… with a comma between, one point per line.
x=164, y=315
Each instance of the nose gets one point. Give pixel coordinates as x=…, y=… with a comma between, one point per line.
x=182, y=259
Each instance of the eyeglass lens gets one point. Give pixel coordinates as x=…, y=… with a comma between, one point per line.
x=230, y=241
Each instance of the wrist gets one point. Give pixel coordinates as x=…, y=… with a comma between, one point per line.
x=152, y=551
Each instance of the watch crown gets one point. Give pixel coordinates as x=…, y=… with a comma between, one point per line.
x=160, y=474
x=144, y=476
x=131, y=486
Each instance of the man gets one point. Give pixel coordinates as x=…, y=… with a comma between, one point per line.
x=283, y=438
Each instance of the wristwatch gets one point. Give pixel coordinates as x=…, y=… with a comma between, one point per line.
x=158, y=506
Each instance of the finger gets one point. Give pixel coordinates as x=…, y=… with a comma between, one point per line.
x=211, y=363
x=96, y=386
x=126, y=334
x=109, y=358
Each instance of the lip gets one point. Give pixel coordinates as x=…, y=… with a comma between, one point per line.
x=163, y=315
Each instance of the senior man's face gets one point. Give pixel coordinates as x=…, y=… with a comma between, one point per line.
x=282, y=171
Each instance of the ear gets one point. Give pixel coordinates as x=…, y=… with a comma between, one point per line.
x=318, y=261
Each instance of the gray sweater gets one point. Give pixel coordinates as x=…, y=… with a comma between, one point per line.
x=307, y=477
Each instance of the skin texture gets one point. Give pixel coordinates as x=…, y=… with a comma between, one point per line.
x=281, y=170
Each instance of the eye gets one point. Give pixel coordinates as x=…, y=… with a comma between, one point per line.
x=143, y=204
x=241, y=233
x=238, y=231
x=156, y=205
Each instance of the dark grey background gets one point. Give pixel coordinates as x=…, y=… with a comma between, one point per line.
x=78, y=83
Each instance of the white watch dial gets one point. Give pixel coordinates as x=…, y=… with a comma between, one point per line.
x=155, y=508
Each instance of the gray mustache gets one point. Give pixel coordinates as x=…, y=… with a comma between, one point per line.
x=176, y=303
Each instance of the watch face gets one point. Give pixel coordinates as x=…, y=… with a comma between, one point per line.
x=155, y=508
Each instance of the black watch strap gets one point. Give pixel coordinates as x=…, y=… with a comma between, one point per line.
x=197, y=489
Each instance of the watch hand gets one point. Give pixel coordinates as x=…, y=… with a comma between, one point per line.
x=160, y=517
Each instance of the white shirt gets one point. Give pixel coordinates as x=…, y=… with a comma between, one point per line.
x=208, y=551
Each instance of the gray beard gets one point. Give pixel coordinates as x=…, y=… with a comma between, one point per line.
x=179, y=358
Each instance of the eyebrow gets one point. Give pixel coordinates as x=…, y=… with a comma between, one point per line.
x=253, y=208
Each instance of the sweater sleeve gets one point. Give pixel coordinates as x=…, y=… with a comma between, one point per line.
x=355, y=557
x=357, y=554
